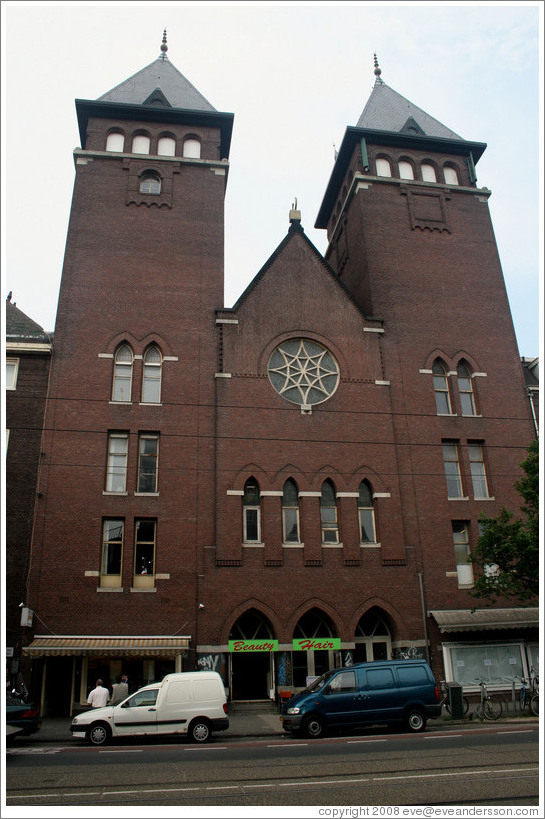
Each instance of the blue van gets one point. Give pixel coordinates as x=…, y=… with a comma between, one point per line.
x=391, y=691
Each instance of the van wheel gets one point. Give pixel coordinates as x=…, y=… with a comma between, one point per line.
x=314, y=727
x=199, y=730
x=99, y=733
x=415, y=720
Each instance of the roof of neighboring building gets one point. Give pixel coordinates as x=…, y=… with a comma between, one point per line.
x=19, y=327
x=159, y=84
x=530, y=367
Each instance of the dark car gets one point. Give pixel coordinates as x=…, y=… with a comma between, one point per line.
x=23, y=716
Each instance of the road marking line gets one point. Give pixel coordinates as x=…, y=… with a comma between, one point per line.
x=123, y=751
x=444, y=736
x=207, y=748
x=360, y=741
x=455, y=773
x=150, y=790
x=222, y=787
x=289, y=745
x=307, y=784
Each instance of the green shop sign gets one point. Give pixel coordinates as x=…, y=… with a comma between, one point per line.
x=318, y=644
x=238, y=646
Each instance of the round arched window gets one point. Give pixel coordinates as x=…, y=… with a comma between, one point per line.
x=303, y=371
x=150, y=183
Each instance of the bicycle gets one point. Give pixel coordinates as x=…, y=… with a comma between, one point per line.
x=445, y=700
x=489, y=707
x=534, y=696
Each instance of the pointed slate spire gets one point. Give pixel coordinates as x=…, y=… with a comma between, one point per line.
x=386, y=110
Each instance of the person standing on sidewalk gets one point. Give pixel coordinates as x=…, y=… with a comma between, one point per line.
x=120, y=691
x=99, y=696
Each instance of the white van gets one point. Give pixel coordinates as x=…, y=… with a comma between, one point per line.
x=190, y=703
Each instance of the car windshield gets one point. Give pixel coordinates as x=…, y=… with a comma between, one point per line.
x=320, y=682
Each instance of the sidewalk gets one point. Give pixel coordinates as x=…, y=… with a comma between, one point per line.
x=249, y=724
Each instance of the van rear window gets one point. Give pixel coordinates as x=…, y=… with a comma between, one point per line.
x=412, y=675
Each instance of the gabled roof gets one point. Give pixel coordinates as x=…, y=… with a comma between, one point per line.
x=19, y=327
x=386, y=110
x=162, y=77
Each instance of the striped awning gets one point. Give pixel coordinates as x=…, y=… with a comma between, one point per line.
x=119, y=646
x=485, y=619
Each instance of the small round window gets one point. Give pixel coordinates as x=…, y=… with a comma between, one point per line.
x=303, y=372
x=150, y=183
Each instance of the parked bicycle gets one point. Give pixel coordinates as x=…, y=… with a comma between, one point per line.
x=489, y=707
x=446, y=700
x=534, y=695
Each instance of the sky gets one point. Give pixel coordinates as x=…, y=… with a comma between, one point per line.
x=295, y=75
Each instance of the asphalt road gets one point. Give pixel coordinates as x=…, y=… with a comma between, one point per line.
x=497, y=766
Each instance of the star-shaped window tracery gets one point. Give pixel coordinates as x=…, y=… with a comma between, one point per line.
x=303, y=371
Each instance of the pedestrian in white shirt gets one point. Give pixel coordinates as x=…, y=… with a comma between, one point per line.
x=99, y=696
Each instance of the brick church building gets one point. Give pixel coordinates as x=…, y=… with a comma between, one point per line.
x=295, y=482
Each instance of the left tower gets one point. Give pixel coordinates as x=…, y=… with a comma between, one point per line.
x=125, y=500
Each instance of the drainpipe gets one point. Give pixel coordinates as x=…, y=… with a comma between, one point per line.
x=420, y=581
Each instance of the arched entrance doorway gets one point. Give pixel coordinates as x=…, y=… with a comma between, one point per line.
x=317, y=626
x=252, y=670
x=373, y=637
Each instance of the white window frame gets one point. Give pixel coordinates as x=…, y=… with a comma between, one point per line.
x=329, y=526
x=457, y=474
x=441, y=388
x=152, y=375
x=467, y=395
x=147, y=580
x=123, y=371
x=13, y=365
x=108, y=580
x=460, y=669
x=478, y=470
x=369, y=513
x=117, y=463
x=147, y=437
x=464, y=567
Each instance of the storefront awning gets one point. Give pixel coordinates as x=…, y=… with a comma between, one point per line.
x=485, y=619
x=59, y=646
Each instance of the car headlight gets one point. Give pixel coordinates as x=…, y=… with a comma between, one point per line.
x=294, y=710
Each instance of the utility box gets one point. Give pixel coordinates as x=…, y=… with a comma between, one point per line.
x=455, y=699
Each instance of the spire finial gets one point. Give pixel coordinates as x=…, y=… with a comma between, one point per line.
x=378, y=72
x=164, y=47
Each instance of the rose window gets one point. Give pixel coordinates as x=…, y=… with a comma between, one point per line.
x=303, y=372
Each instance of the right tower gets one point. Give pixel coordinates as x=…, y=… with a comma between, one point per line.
x=410, y=235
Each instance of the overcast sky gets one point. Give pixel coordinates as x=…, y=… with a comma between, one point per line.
x=295, y=75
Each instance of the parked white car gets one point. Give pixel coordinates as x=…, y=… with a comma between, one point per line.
x=191, y=703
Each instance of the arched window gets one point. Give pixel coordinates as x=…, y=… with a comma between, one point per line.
x=328, y=513
x=192, y=149
x=465, y=386
x=140, y=144
x=428, y=172
x=383, y=167
x=122, y=381
x=366, y=514
x=251, y=512
x=290, y=512
x=115, y=142
x=406, y=170
x=440, y=385
x=151, y=377
x=451, y=177
x=150, y=183
x=166, y=146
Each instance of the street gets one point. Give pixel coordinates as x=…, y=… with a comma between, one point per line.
x=496, y=766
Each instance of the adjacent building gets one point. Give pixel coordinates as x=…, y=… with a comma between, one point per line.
x=295, y=482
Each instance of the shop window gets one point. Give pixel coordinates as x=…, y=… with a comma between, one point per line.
x=148, y=459
x=166, y=146
x=116, y=468
x=151, y=377
x=192, y=149
x=328, y=513
x=366, y=514
x=478, y=470
x=464, y=567
x=465, y=387
x=428, y=172
x=112, y=553
x=150, y=183
x=453, y=475
x=12, y=369
x=406, y=170
x=451, y=177
x=122, y=380
x=383, y=167
x=140, y=144
x=290, y=512
x=251, y=512
x=307, y=665
x=497, y=662
x=144, y=553
x=115, y=142
x=441, y=388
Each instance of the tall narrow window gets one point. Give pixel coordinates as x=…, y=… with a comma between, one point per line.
x=478, y=471
x=12, y=368
x=428, y=172
x=112, y=553
x=122, y=385
x=406, y=170
x=440, y=386
x=452, y=469
x=151, y=381
x=144, y=553
x=116, y=469
x=465, y=386
x=460, y=535
x=148, y=454
x=366, y=514
x=383, y=167
x=251, y=512
x=290, y=512
x=328, y=513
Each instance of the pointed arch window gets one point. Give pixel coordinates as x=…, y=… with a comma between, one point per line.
x=441, y=388
x=328, y=513
x=151, y=378
x=290, y=512
x=366, y=514
x=150, y=183
x=251, y=512
x=465, y=386
x=383, y=167
x=122, y=380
